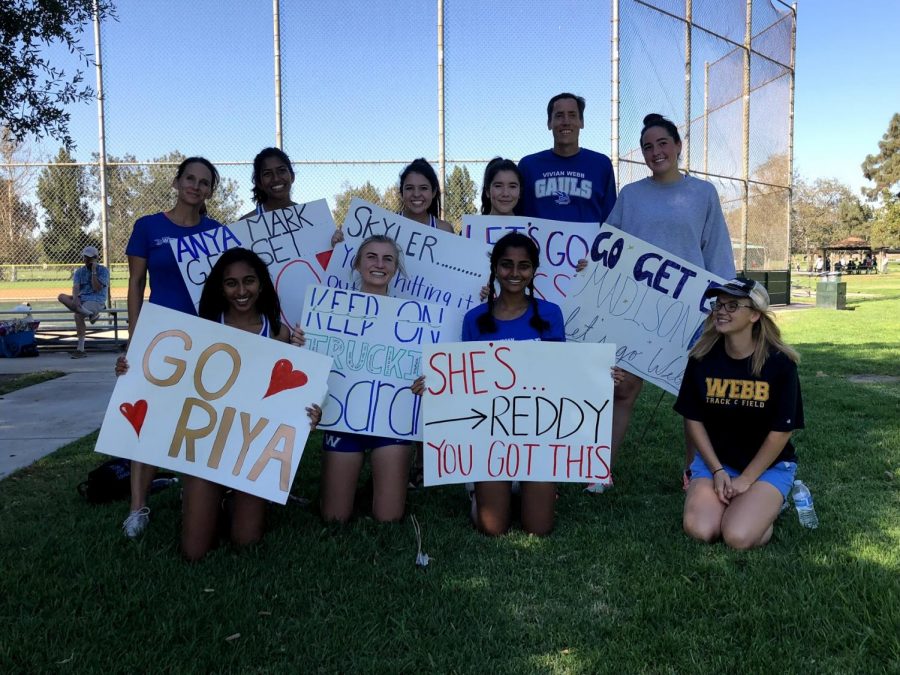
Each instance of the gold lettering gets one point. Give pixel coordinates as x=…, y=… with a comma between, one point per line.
x=215, y=456
x=189, y=436
x=286, y=434
x=201, y=364
x=715, y=387
x=178, y=363
x=248, y=439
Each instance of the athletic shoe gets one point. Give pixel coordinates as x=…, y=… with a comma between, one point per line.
x=136, y=522
x=92, y=318
x=78, y=354
x=598, y=488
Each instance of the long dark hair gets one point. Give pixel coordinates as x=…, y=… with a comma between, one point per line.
x=494, y=167
x=212, y=300
x=260, y=196
x=485, y=322
x=421, y=166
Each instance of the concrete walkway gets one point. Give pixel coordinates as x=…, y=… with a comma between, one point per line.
x=40, y=419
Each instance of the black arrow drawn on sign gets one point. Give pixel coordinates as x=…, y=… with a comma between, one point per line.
x=480, y=416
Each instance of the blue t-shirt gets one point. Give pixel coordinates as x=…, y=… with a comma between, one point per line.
x=150, y=240
x=86, y=292
x=576, y=189
x=519, y=328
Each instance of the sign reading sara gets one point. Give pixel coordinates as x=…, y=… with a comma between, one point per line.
x=526, y=411
x=644, y=300
x=294, y=243
x=561, y=245
x=376, y=344
x=214, y=402
x=439, y=267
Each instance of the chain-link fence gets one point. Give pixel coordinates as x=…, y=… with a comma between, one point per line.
x=361, y=96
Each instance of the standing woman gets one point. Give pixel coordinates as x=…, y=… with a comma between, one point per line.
x=740, y=398
x=273, y=176
x=377, y=261
x=679, y=214
x=515, y=314
x=501, y=188
x=149, y=253
x=420, y=195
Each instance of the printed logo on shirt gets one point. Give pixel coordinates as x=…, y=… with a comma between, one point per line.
x=730, y=392
x=162, y=241
x=331, y=441
x=563, y=188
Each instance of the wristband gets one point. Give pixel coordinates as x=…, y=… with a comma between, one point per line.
x=718, y=470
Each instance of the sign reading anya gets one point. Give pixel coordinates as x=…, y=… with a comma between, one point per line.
x=646, y=301
x=215, y=402
x=376, y=342
x=294, y=243
x=526, y=411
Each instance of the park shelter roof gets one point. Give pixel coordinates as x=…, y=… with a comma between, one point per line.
x=849, y=244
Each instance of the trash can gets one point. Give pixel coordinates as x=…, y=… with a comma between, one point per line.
x=831, y=292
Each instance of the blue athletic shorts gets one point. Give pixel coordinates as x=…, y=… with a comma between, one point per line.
x=780, y=474
x=340, y=441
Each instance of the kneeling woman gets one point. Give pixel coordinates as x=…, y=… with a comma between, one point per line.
x=514, y=315
x=740, y=397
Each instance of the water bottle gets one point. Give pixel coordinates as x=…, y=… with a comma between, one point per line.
x=161, y=484
x=803, y=501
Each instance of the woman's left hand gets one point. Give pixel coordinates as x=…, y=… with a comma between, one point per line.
x=314, y=412
x=418, y=386
x=617, y=375
x=298, y=337
x=739, y=485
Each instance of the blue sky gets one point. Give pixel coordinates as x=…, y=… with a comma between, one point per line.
x=359, y=82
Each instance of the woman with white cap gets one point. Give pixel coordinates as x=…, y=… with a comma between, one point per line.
x=740, y=397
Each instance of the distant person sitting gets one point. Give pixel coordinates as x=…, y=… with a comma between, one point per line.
x=89, y=287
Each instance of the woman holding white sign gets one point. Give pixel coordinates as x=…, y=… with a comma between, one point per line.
x=740, y=398
x=501, y=188
x=515, y=314
x=273, y=176
x=150, y=254
x=377, y=260
x=420, y=195
x=679, y=214
x=239, y=293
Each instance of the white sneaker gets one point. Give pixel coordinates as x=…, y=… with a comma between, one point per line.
x=136, y=522
x=598, y=488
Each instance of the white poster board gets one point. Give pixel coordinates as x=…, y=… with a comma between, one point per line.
x=647, y=302
x=215, y=402
x=526, y=411
x=294, y=243
x=560, y=243
x=440, y=267
x=375, y=342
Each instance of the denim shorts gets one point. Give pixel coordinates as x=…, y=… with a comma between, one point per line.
x=340, y=441
x=780, y=475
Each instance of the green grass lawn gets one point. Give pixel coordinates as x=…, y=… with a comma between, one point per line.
x=10, y=383
x=617, y=588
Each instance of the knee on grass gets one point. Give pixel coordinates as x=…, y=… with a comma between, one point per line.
x=702, y=530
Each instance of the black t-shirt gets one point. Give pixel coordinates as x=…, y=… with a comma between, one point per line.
x=739, y=410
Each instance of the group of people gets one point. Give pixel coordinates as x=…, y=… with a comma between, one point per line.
x=740, y=395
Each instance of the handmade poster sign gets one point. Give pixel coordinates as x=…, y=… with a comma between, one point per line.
x=295, y=244
x=376, y=344
x=439, y=267
x=526, y=411
x=561, y=245
x=212, y=401
x=647, y=302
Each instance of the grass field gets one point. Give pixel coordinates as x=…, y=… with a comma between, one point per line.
x=617, y=588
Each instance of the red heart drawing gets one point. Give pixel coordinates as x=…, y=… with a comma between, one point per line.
x=324, y=257
x=135, y=414
x=285, y=377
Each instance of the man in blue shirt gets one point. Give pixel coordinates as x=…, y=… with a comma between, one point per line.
x=567, y=182
x=89, y=290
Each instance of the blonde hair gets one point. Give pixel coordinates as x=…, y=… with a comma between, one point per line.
x=766, y=339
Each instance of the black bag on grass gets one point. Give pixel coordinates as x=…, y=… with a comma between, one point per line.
x=111, y=481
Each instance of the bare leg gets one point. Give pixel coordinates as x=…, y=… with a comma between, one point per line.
x=624, y=397
x=492, y=505
x=703, y=511
x=80, y=330
x=340, y=472
x=390, y=472
x=199, y=517
x=248, y=520
x=141, y=477
x=748, y=520
x=538, y=507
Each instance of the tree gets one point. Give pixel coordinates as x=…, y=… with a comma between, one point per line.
x=63, y=191
x=883, y=169
x=367, y=191
x=885, y=231
x=224, y=205
x=33, y=93
x=459, y=195
x=825, y=211
x=18, y=219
